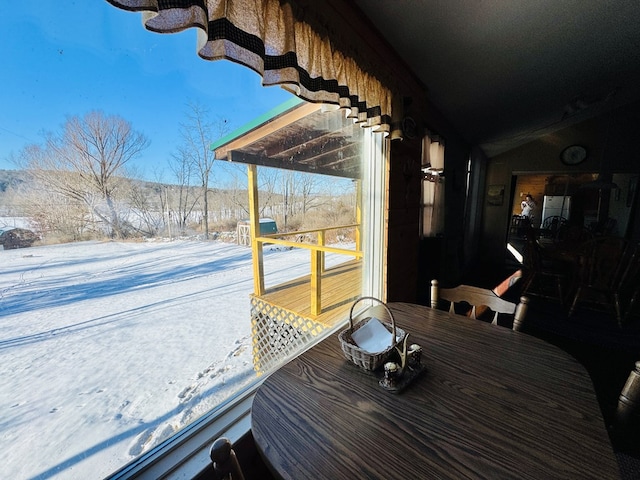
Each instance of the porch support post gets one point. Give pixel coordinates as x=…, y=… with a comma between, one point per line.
x=254, y=220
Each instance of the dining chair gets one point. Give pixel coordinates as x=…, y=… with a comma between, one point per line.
x=517, y=225
x=478, y=303
x=573, y=235
x=629, y=289
x=601, y=274
x=236, y=461
x=225, y=462
x=626, y=420
x=629, y=399
x=543, y=277
x=552, y=225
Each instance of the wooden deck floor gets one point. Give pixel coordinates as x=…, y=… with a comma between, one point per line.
x=340, y=285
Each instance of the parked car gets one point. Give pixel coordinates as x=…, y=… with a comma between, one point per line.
x=17, y=238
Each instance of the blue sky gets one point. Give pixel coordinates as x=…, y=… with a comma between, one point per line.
x=64, y=57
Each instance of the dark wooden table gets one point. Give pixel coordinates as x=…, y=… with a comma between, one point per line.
x=492, y=403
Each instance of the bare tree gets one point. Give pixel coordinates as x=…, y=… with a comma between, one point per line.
x=270, y=197
x=307, y=191
x=234, y=195
x=198, y=132
x=56, y=217
x=86, y=161
x=184, y=170
x=143, y=208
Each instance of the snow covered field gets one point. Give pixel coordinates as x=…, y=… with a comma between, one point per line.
x=106, y=348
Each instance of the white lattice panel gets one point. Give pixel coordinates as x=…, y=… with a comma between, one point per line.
x=277, y=334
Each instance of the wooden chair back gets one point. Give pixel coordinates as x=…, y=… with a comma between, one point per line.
x=629, y=288
x=627, y=415
x=551, y=225
x=225, y=462
x=605, y=264
x=601, y=273
x=541, y=277
x=479, y=298
x=574, y=235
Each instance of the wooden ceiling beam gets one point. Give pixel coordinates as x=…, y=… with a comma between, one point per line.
x=313, y=136
x=267, y=128
x=353, y=171
x=347, y=155
x=325, y=143
x=310, y=155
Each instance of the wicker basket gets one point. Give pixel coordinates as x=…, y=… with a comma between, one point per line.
x=360, y=357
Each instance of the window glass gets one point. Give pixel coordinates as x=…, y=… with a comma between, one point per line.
x=126, y=312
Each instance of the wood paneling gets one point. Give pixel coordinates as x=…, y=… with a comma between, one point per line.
x=533, y=185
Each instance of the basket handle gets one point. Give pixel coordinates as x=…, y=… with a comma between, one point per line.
x=393, y=320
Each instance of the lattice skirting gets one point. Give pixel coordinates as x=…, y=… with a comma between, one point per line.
x=278, y=333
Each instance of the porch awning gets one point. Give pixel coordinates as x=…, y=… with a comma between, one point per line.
x=300, y=136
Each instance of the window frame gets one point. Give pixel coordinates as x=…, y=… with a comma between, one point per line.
x=186, y=454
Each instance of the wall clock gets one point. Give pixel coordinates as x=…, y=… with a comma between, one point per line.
x=409, y=127
x=573, y=155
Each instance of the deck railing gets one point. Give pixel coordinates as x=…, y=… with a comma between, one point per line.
x=317, y=251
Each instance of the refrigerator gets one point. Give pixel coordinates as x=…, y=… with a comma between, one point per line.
x=555, y=206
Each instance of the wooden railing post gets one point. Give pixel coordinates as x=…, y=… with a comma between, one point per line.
x=321, y=244
x=318, y=251
x=316, y=282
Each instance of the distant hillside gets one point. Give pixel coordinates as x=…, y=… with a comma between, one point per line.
x=12, y=177
x=16, y=177
x=153, y=208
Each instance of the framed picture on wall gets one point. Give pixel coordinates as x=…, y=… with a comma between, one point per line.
x=495, y=195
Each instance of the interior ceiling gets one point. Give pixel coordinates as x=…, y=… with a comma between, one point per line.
x=503, y=72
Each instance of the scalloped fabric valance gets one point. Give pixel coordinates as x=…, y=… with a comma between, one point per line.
x=288, y=43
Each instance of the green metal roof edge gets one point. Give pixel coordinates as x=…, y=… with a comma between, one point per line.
x=256, y=122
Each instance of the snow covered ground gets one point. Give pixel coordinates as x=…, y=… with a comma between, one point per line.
x=107, y=348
